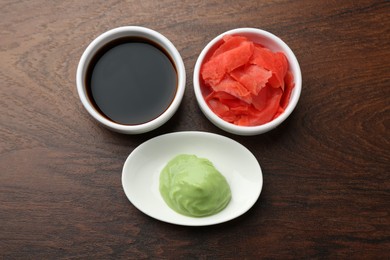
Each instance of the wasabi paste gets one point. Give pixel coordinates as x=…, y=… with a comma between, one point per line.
x=193, y=187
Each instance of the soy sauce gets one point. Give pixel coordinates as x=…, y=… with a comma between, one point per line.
x=131, y=80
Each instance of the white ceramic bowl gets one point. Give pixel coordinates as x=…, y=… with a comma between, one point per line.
x=120, y=32
x=141, y=174
x=273, y=43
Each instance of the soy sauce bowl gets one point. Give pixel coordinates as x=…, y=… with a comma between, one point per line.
x=267, y=40
x=90, y=55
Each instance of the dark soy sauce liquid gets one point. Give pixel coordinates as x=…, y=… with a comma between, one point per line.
x=131, y=80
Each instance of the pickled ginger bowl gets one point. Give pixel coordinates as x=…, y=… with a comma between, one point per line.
x=247, y=81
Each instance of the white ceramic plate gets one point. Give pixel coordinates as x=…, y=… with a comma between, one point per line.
x=141, y=172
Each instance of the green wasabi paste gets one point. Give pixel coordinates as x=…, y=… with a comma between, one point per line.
x=193, y=187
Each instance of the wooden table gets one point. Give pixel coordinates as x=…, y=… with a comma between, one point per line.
x=326, y=190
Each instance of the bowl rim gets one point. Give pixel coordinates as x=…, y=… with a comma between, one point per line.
x=249, y=130
x=131, y=31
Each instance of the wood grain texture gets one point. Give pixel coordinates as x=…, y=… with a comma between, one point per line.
x=326, y=170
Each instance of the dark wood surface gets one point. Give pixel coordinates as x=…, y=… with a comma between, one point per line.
x=326, y=190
